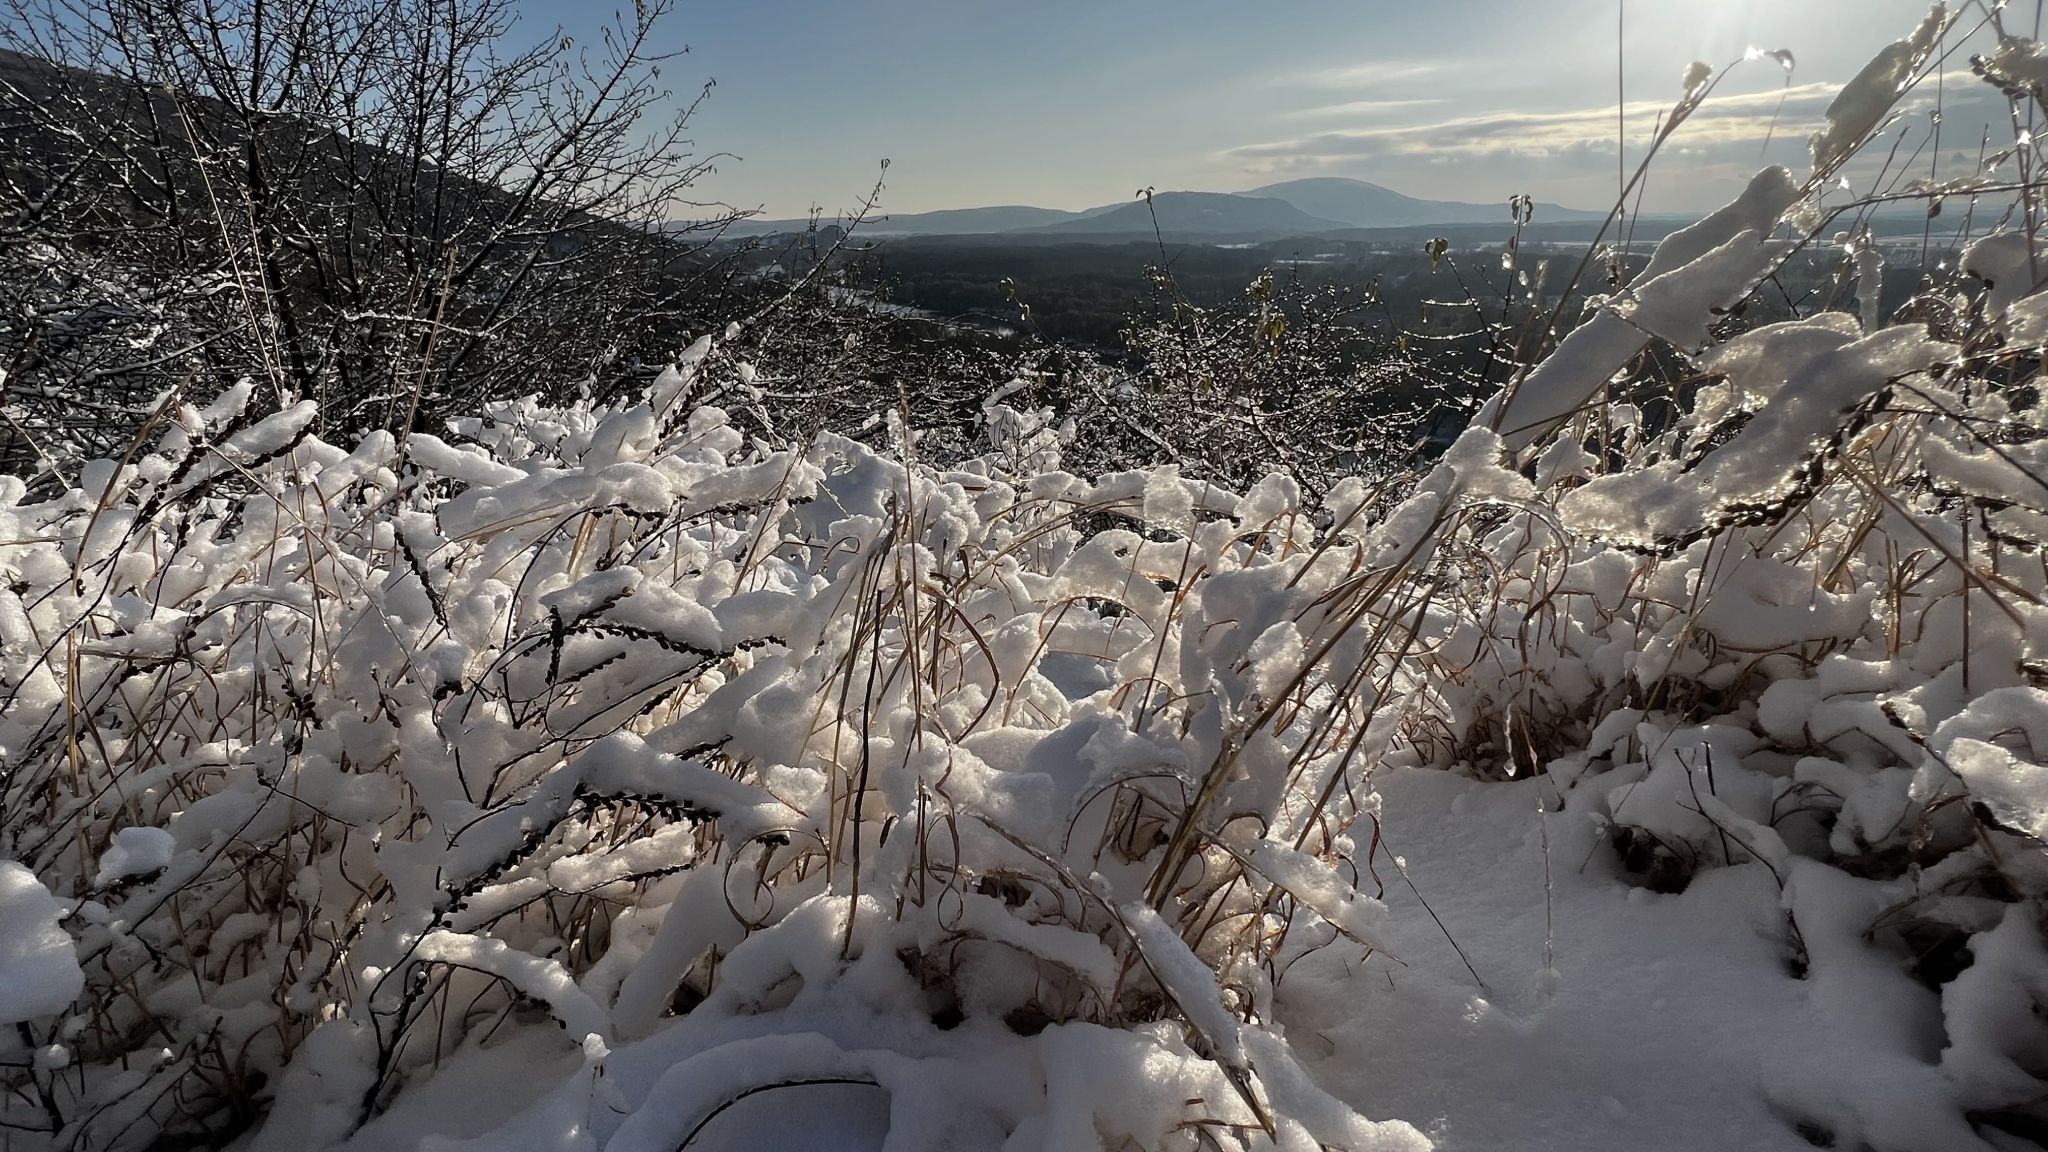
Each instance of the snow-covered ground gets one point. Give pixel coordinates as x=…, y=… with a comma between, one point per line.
x=1611, y=1017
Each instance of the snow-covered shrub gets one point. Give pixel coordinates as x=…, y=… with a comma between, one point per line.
x=343, y=758
x=1288, y=377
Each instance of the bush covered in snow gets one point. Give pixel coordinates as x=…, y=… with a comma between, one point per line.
x=670, y=766
x=348, y=756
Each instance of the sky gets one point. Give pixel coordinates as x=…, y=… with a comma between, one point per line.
x=1077, y=103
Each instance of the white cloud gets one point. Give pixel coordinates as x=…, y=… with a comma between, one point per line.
x=1368, y=75
x=1748, y=118
x=1363, y=109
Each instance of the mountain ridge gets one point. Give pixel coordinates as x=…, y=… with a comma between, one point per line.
x=1198, y=213
x=1363, y=204
x=1304, y=207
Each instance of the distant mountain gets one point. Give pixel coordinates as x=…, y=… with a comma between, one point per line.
x=1358, y=204
x=1196, y=214
x=1277, y=211
x=973, y=221
x=944, y=222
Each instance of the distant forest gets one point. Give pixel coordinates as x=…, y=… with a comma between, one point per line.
x=1439, y=313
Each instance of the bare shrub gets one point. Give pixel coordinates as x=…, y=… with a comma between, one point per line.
x=391, y=210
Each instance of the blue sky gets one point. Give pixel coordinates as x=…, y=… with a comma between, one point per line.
x=1069, y=104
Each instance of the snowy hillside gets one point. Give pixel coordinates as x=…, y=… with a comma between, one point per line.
x=597, y=776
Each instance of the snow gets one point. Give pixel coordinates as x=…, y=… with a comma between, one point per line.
x=533, y=976
x=1670, y=1022
x=1989, y=1013
x=2017, y=62
x=135, y=852
x=1965, y=751
x=39, y=973
x=1695, y=270
x=1321, y=889
x=1865, y=100
x=2007, y=263
x=804, y=1117
x=1183, y=976
x=1762, y=463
